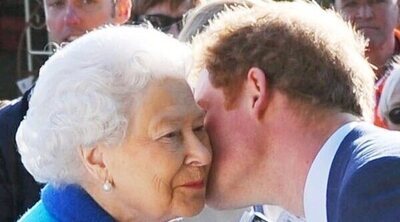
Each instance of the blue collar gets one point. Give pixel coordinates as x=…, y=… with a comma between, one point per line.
x=72, y=203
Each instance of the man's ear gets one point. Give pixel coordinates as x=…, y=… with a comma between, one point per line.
x=92, y=159
x=122, y=11
x=257, y=87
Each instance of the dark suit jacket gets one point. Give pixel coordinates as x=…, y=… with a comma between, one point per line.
x=18, y=189
x=364, y=180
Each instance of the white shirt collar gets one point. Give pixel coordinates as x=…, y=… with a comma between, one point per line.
x=317, y=179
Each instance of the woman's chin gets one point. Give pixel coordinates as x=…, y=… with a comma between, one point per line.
x=192, y=210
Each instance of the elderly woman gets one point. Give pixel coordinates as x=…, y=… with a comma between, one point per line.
x=389, y=103
x=114, y=131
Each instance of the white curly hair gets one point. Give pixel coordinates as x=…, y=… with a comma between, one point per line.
x=84, y=92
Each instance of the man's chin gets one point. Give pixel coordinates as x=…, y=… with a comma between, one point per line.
x=217, y=204
x=373, y=40
x=223, y=204
x=214, y=199
x=220, y=200
x=219, y=196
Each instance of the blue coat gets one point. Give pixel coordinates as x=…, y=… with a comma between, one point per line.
x=66, y=204
x=364, y=180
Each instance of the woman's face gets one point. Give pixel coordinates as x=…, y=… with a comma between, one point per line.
x=160, y=171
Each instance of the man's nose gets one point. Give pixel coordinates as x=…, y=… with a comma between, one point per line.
x=71, y=16
x=364, y=11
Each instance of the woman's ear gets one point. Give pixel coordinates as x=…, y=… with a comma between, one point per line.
x=257, y=87
x=92, y=159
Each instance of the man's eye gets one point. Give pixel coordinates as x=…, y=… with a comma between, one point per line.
x=86, y=2
x=350, y=4
x=376, y=1
x=394, y=115
x=55, y=3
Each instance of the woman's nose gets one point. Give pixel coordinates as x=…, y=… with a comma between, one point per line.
x=198, y=154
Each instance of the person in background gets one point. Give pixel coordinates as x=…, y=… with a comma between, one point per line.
x=389, y=104
x=66, y=20
x=287, y=104
x=114, y=131
x=165, y=15
x=377, y=21
x=198, y=18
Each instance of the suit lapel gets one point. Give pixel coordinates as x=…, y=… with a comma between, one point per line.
x=338, y=170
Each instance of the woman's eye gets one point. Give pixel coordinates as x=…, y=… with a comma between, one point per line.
x=200, y=131
x=171, y=135
x=199, y=128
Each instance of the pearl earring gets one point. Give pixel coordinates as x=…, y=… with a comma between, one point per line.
x=107, y=186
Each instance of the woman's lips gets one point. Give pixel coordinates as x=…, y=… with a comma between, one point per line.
x=199, y=184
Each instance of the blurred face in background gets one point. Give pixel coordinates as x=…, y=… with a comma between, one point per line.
x=393, y=117
x=391, y=112
x=166, y=18
x=376, y=19
x=68, y=19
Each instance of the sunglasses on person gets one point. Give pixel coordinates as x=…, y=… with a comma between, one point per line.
x=162, y=22
x=394, y=115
